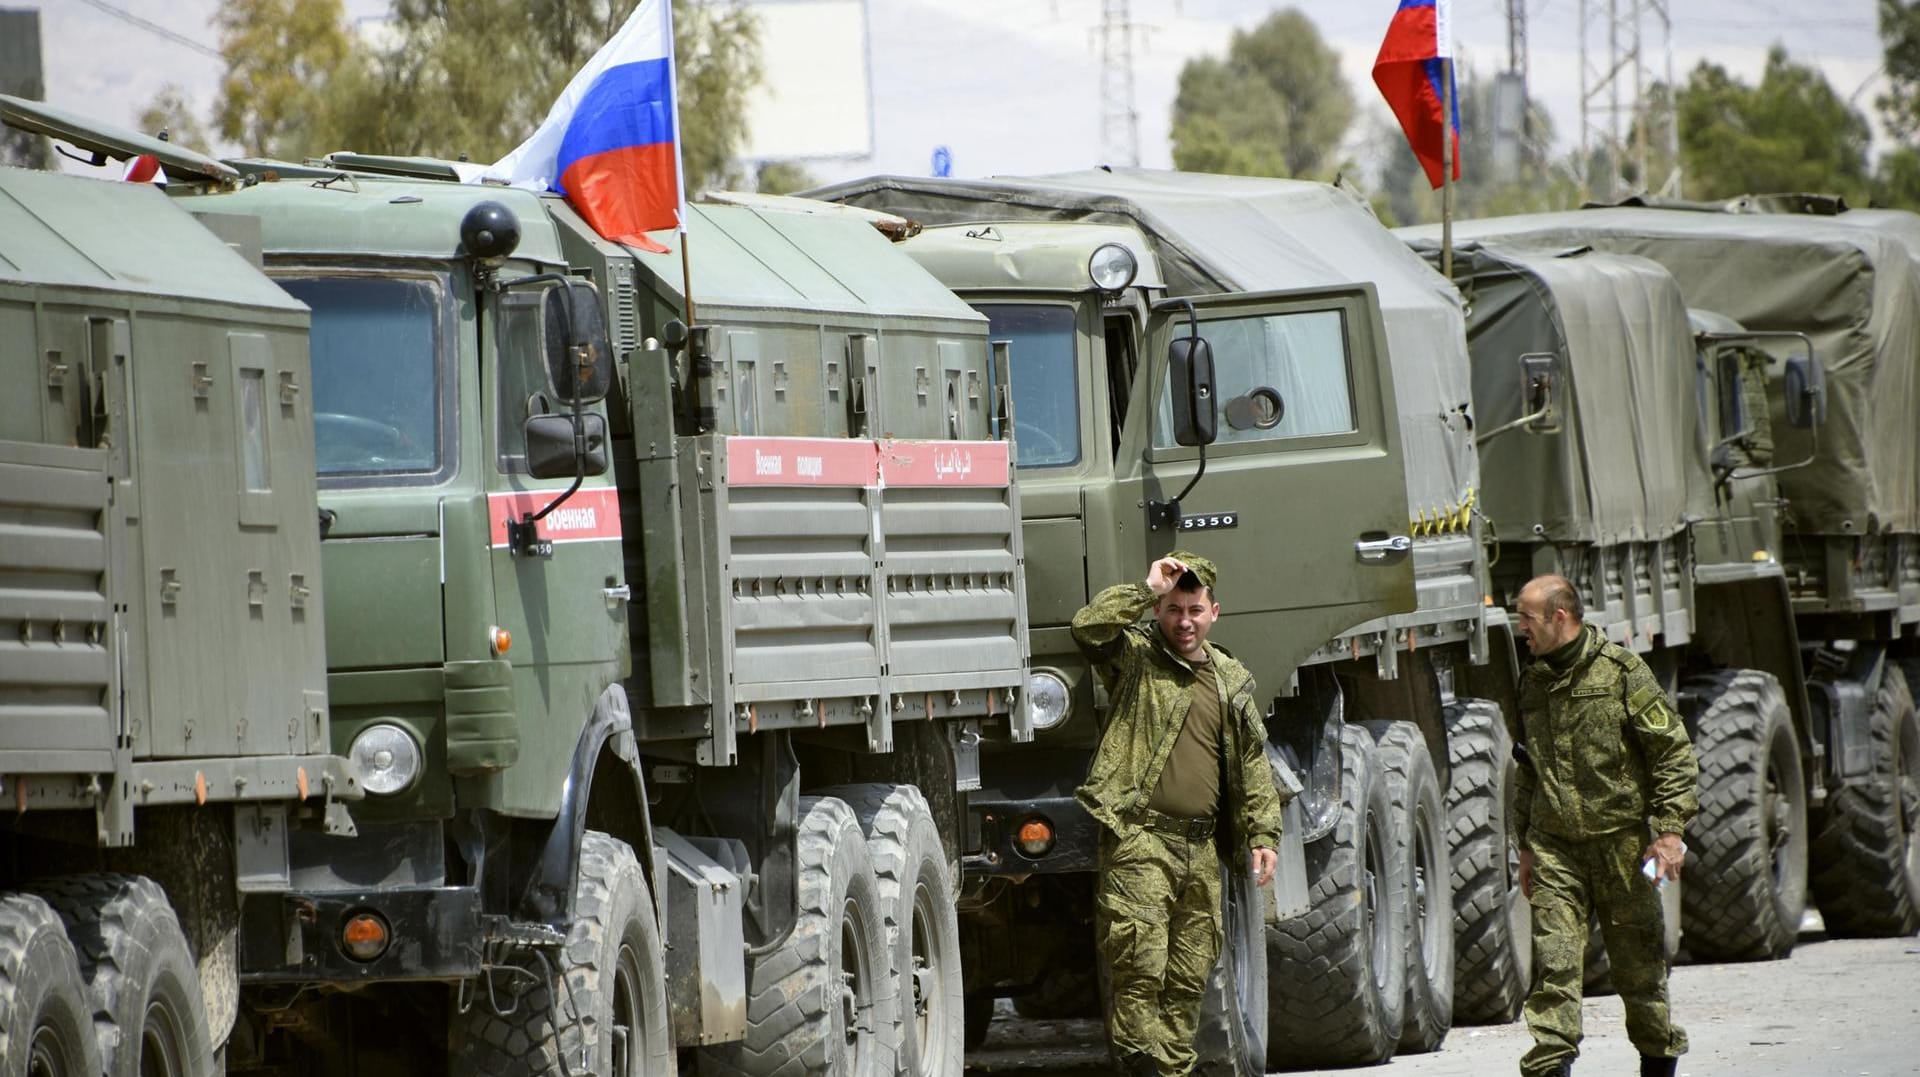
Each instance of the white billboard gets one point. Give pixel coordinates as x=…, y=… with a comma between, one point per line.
x=817, y=98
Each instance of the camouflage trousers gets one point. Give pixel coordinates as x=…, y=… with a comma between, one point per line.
x=1158, y=930
x=1571, y=881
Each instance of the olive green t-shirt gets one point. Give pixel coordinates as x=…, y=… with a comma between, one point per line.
x=1190, y=783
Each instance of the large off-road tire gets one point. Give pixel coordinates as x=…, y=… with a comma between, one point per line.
x=823, y=1002
x=1866, y=858
x=1231, y=1039
x=1336, y=977
x=142, y=985
x=1420, y=840
x=1492, y=923
x=46, y=1029
x=917, y=902
x=1746, y=870
x=605, y=1011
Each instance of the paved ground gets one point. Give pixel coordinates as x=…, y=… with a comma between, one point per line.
x=1836, y=1008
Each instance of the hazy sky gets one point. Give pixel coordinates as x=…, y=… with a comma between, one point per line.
x=1013, y=86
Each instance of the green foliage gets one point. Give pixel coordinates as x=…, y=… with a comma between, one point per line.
x=170, y=111
x=1275, y=105
x=1900, y=37
x=1896, y=183
x=783, y=177
x=1791, y=132
x=465, y=79
x=280, y=54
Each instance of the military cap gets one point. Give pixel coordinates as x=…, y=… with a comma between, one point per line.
x=1198, y=567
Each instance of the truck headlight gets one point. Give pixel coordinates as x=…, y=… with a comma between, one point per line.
x=386, y=757
x=1112, y=267
x=1047, y=699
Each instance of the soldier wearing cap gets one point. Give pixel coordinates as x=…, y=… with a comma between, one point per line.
x=1181, y=783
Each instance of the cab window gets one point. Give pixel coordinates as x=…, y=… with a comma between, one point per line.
x=1299, y=359
x=377, y=347
x=1046, y=385
x=521, y=382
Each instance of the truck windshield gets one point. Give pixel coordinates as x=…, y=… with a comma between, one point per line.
x=376, y=347
x=1300, y=357
x=1046, y=397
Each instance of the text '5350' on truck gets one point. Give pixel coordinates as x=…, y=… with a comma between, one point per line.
x=433, y=655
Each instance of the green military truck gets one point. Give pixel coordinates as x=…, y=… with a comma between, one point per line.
x=1340, y=497
x=1625, y=443
x=657, y=656
x=1848, y=514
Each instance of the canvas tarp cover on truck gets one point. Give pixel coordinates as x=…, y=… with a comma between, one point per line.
x=1215, y=234
x=1628, y=464
x=1854, y=291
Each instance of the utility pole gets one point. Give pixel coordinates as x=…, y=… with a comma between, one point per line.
x=1510, y=121
x=1119, y=122
x=1622, y=69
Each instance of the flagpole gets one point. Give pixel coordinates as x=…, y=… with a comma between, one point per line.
x=1446, y=167
x=679, y=168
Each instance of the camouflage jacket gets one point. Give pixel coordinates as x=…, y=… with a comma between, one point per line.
x=1148, y=685
x=1607, y=750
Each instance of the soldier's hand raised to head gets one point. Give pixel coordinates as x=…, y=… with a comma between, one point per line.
x=1164, y=574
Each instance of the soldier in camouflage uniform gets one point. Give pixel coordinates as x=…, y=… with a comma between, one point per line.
x=1181, y=766
x=1606, y=763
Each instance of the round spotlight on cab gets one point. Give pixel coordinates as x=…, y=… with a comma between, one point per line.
x=1034, y=838
x=365, y=935
x=1047, y=700
x=386, y=757
x=1112, y=267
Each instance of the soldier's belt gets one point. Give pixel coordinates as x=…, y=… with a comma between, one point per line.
x=1181, y=826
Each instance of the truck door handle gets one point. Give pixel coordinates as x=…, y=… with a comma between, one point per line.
x=622, y=593
x=1384, y=551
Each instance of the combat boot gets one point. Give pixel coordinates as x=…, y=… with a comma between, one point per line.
x=1658, y=1067
x=1137, y=1064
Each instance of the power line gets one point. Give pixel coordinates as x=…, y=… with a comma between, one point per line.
x=156, y=28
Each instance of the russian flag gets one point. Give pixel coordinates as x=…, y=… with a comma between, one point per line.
x=1408, y=73
x=609, y=143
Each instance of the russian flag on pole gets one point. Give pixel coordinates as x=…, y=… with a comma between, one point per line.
x=609, y=143
x=1408, y=72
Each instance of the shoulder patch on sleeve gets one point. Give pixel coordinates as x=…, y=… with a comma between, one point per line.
x=1648, y=705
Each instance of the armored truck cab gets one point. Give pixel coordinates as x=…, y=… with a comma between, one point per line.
x=1847, y=485
x=1339, y=498
x=607, y=593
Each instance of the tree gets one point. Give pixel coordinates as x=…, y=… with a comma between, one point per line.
x=171, y=112
x=472, y=79
x=280, y=56
x=1791, y=132
x=783, y=177
x=1900, y=38
x=1275, y=105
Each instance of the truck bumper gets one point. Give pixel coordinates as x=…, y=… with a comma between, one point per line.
x=435, y=933
x=1029, y=784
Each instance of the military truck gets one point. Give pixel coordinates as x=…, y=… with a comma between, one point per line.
x=1340, y=496
x=1626, y=444
x=1849, y=510
x=607, y=589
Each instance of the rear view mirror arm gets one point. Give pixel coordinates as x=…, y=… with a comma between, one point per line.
x=1168, y=512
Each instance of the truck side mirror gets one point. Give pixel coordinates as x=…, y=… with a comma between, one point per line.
x=578, y=353
x=550, y=445
x=1196, y=418
x=1805, y=384
x=1544, y=376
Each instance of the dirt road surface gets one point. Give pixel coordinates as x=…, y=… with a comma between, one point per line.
x=1836, y=1008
